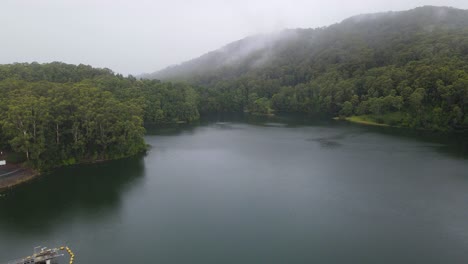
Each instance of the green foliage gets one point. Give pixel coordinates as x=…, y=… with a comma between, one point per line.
x=413, y=62
x=260, y=106
x=70, y=161
x=59, y=114
x=14, y=157
x=347, y=108
x=404, y=69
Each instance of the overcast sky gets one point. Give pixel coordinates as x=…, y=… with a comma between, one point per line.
x=137, y=36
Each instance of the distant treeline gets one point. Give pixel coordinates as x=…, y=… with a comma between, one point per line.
x=401, y=68
x=59, y=114
x=406, y=68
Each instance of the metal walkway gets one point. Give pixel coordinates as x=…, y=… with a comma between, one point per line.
x=43, y=255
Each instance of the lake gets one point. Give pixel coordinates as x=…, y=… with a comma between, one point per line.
x=243, y=190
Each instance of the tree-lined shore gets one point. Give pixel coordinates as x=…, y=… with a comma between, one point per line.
x=407, y=69
x=59, y=114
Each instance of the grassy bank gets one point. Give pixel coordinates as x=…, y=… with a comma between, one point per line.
x=390, y=119
x=361, y=120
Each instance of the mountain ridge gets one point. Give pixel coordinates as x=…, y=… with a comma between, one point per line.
x=405, y=68
x=431, y=17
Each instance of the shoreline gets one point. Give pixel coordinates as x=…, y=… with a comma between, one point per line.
x=19, y=176
x=358, y=120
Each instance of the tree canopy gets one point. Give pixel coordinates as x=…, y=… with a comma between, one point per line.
x=412, y=65
x=400, y=68
x=59, y=114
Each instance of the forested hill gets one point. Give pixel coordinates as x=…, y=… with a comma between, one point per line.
x=58, y=114
x=400, y=68
x=380, y=39
x=404, y=68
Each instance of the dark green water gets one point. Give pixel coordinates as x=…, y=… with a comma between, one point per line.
x=277, y=191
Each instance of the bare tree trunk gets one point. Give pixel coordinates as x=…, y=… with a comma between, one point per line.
x=57, y=133
x=34, y=131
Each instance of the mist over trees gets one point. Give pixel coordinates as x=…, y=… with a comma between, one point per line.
x=401, y=68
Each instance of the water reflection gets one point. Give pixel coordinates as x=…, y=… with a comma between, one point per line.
x=328, y=143
x=228, y=126
x=330, y=140
x=323, y=192
x=454, y=144
x=171, y=129
x=93, y=190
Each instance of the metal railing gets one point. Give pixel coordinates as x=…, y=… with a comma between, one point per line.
x=44, y=255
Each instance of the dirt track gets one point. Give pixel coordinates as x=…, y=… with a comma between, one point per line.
x=11, y=175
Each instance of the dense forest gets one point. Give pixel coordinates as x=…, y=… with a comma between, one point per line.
x=400, y=68
x=58, y=114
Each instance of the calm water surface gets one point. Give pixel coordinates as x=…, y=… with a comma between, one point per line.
x=265, y=191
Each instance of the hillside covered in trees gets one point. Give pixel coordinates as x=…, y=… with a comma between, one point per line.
x=58, y=114
x=401, y=68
